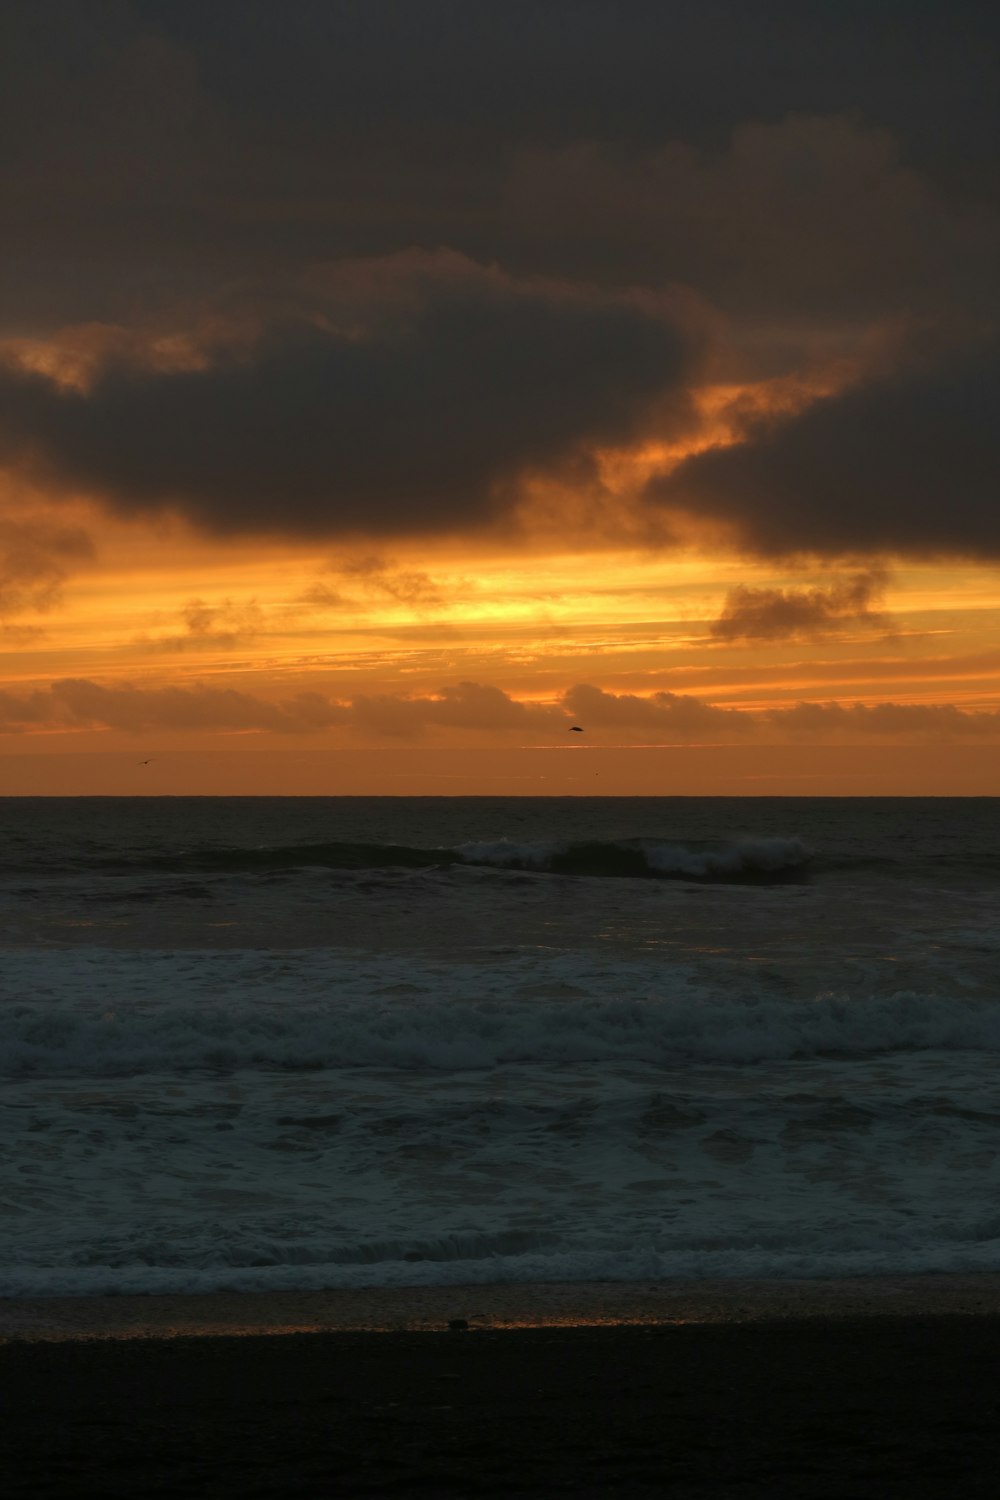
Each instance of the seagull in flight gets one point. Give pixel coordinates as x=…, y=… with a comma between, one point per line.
x=575, y=729
x=148, y=762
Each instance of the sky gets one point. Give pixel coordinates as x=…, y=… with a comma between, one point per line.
x=388, y=386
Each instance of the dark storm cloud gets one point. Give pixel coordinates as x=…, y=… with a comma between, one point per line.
x=586, y=69
x=160, y=149
x=424, y=420
x=908, y=463
x=811, y=223
x=807, y=170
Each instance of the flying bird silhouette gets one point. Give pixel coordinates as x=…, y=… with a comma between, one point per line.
x=148, y=762
x=575, y=729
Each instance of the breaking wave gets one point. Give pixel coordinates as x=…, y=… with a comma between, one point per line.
x=470, y=1024
x=467, y=1261
x=748, y=859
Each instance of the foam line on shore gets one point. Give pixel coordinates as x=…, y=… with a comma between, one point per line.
x=423, y=1309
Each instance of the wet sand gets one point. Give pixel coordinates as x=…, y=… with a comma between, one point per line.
x=517, y=1305
x=766, y=1395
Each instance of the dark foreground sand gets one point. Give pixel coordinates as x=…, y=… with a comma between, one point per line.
x=806, y=1406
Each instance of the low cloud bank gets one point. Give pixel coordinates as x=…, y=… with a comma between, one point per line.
x=672, y=714
x=80, y=704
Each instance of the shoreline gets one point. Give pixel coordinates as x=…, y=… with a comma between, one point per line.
x=518, y=1305
x=894, y=1407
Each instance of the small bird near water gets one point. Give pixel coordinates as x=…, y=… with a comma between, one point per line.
x=575, y=729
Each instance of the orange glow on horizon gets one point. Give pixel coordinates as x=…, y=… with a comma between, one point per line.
x=156, y=606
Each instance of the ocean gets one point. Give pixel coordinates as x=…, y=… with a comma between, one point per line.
x=275, y=1043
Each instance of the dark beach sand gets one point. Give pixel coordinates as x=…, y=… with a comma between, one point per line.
x=784, y=1403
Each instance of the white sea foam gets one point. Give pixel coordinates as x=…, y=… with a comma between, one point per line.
x=817, y=1167
x=624, y=1264
x=506, y=854
x=201, y=1121
x=764, y=855
x=113, y=1015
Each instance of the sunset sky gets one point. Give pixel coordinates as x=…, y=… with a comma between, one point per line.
x=387, y=386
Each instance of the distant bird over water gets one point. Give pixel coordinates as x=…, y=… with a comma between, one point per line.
x=148, y=762
x=575, y=729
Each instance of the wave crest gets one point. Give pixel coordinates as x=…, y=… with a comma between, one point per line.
x=747, y=859
x=762, y=858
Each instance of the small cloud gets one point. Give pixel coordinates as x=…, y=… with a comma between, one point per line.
x=212, y=626
x=35, y=558
x=320, y=596
x=381, y=576
x=751, y=614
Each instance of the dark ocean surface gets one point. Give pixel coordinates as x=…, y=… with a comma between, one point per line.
x=302, y=1042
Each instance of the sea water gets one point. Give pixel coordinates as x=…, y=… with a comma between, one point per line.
x=325, y=1042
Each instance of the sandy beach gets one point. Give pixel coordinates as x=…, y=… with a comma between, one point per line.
x=865, y=1389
